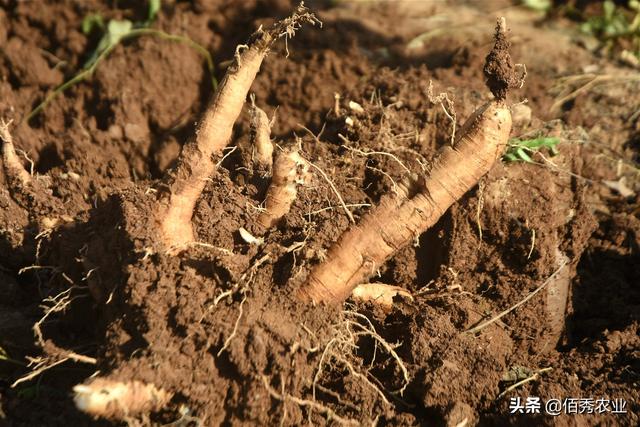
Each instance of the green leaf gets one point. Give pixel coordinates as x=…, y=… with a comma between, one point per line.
x=116, y=30
x=609, y=8
x=587, y=27
x=539, y=5
x=510, y=157
x=520, y=150
x=3, y=354
x=92, y=21
x=523, y=155
x=154, y=8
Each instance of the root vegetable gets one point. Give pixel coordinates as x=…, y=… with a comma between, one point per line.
x=261, y=140
x=195, y=164
x=397, y=220
x=400, y=218
x=379, y=293
x=118, y=400
x=289, y=170
x=556, y=298
x=15, y=172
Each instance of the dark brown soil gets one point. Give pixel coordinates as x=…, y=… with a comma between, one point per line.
x=498, y=68
x=218, y=326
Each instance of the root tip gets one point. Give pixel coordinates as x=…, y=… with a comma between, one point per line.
x=117, y=400
x=499, y=69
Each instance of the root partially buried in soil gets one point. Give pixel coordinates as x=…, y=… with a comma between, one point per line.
x=222, y=292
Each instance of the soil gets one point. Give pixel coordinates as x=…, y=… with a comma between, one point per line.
x=217, y=326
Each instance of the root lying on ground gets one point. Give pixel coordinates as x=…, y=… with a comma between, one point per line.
x=500, y=315
x=195, y=164
x=262, y=154
x=421, y=201
x=379, y=293
x=16, y=174
x=418, y=205
x=118, y=400
x=289, y=170
x=31, y=191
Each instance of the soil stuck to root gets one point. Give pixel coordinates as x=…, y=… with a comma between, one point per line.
x=215, y=329
x=499, y=69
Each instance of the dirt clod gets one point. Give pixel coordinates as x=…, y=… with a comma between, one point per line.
x=499, y=69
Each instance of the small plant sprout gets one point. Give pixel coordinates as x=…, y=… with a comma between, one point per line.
x=615, y=21
x=4, y=357
x=520, y=150
x=114, y=32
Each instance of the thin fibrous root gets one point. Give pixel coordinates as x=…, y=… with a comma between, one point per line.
x=117, y=400
x=342, y=347
x=449, y=109
x=289, y=171
x=261, y=140
x=195, y=164
x=380, y=294
x=313, y=406
x=14, y=170
x=419, y=202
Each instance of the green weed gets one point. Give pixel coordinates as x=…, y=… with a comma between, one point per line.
x=4, y=357
x=521, y=150
x=617, y=26
x=615, y=21
x=114, y=32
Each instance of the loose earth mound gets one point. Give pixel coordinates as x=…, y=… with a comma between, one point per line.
x=217, y=327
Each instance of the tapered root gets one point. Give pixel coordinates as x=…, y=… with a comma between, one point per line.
x=289, y=171
x=14, y=171
x=118, y=400
x=398, y=219
x=262, y=155
x=380, y=294
x=419, y=203
x=195, y=164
